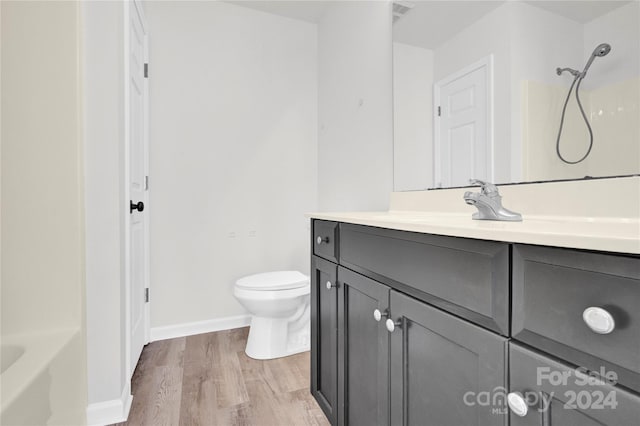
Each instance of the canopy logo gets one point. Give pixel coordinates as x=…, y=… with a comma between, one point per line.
x=575, y=389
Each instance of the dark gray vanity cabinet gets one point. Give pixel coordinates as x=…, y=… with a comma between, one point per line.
x=439, y=366
x=400, y=360
x=363, y=348
x=557, y=394
x=324, y=336
x=417, y=329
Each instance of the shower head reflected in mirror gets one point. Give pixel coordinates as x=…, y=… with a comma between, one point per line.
x=573, y=72
x=600, y=51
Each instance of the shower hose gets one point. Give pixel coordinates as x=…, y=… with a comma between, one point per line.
x=578, y=80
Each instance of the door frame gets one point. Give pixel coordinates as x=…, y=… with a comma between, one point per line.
x=486, y=62
x=131, y=7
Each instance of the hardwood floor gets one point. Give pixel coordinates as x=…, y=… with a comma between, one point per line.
x=208, y=380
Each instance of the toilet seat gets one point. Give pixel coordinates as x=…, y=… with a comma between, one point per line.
x=270, y=281
x=248, y=293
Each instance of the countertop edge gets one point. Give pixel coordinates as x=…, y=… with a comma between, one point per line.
x=596, y=242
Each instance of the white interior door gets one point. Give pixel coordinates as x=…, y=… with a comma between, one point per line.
x=463, y=105
x=138, y=165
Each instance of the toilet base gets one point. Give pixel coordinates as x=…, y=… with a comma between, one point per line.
x=278, y=337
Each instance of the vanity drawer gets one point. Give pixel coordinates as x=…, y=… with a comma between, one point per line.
x=325, y=236
x=469, y=278
x=559, y=394
x=553, y=287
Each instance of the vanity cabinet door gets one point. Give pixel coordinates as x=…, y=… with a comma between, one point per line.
x=324, y=336
x=363, y=366
x=556, y=394
x=443, y=368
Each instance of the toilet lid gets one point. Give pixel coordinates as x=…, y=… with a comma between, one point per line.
x=279, y=280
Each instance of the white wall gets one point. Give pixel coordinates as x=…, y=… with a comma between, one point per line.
x=42, y=214
x=541, y=41
x=233, y=110
x=621, y=29
x=355, y=142
x=488, y=35
x=613, y=83
x=103, y=52
x=412, y=117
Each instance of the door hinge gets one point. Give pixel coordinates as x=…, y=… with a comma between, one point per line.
x=439, y=111
x=146, y=183
x=146, y=295
x=146, y=70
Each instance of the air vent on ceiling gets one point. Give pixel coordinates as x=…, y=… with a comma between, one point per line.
x=401, y=8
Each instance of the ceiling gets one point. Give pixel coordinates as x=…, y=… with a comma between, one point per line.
x=305, y=10
x=430, y=23
x=579, y=11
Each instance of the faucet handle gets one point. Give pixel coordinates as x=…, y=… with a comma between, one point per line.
x=487, y=187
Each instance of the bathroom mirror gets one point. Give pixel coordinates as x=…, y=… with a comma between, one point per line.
x=480, y=88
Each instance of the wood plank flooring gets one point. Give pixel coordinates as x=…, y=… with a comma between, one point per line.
x=208, y=380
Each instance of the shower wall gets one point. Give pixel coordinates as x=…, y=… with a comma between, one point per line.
x=42, y=225
x=613, y=113
x=610, y=94
x=615, y=117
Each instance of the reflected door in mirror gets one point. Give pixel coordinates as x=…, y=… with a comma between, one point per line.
x=462, y=131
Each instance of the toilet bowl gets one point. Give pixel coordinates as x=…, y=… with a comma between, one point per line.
x=279, y=306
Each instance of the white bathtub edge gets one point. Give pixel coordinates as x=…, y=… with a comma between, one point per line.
x=110, y=412
x=199, y=327
x=40, y=349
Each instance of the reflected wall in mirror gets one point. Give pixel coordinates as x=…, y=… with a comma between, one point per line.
x=480, y=88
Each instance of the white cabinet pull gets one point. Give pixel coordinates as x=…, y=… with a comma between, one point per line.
x=391, y=324
x=329, y=285
x=377, y=315
x=517, y=404
x=599, y=320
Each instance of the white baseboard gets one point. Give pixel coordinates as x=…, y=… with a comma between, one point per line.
x=109, y=412
x=199, y=327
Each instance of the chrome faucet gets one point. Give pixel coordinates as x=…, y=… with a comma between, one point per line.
x=489, y=203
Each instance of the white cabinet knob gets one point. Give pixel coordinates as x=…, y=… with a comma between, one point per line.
x=329, y=285
x=599, y=320
x=391, y=324
x=377, y=315
x=517, y=404
x=321, y=240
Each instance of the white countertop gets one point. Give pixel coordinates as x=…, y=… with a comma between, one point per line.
x=602, y=214
x=620, y=235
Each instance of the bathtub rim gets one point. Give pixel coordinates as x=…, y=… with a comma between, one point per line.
x=15, y=353
x=40, y=349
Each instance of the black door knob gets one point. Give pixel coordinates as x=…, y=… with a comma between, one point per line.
x=139, y=206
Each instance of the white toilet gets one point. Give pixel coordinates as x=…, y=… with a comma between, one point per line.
x=279, y=306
